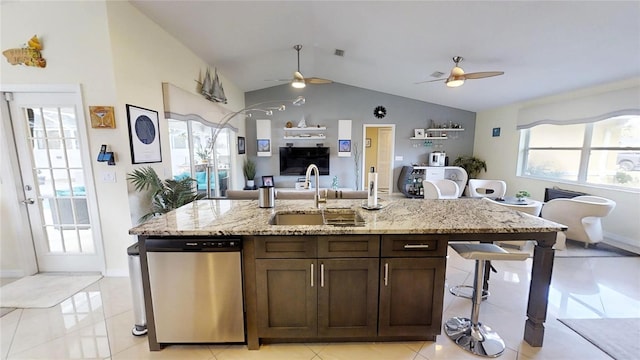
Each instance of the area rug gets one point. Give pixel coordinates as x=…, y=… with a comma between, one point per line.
x=43, y=290
x=616, y=337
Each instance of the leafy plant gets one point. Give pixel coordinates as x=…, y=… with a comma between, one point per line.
x=471, y=164
x=203, y=152
x=166, y=195
x=522, y=194
x=622, y=177
x=249, y=169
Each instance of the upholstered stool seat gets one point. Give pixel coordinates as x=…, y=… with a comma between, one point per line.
x=469, y=333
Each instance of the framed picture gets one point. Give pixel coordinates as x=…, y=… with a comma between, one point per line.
x=267, y=180
x=496, y=132
x=264, y=145
x=102, y=117
x=144, y=135
x=344, y=145
x=419, y=133
x=241, y=145
x=367, y=142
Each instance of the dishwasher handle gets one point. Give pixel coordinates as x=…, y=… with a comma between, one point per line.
x=193, y=245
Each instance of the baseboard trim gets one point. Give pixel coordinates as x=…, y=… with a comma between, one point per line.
x=621, y=243
x=117, y=273
x=12, y=274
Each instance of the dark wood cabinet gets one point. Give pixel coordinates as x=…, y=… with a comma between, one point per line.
x=347, y=297
x=377, y=287
x=286, y=297
x=411, y=296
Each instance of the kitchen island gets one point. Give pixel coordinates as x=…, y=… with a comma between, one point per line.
x=391, y=269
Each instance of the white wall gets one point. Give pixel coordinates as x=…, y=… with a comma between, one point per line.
x=119, y=57
x=621, y=225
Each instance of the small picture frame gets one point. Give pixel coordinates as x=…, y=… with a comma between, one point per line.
x=264, y=145
x=418, y=133
x=241, y=145
x=367, y=142
x=267, y=180
x=496, y=132
x=344, y=145
x=144, y=135
x=102, y=117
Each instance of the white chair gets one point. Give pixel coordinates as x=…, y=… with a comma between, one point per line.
x=487, y=188
x=440, y=189
x=581, y=215
x=533, y=207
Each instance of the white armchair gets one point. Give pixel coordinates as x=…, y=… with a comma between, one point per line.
x=581, y=215
x=487, y=188
x=440, y=189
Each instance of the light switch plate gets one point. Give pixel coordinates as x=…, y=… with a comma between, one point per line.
x=399, y=158
x=109, y=176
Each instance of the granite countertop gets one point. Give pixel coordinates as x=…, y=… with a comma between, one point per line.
x=397, y=216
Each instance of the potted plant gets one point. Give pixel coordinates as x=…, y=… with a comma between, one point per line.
x=471, y=164
x=203, y=153
x=167, y=194
x=249, y=170
x=522, y=195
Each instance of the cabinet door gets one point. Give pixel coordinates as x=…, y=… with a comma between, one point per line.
x=348, y=297
x=411, y=296
x=286, y=297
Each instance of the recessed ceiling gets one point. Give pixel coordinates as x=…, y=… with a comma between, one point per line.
x=544, y=48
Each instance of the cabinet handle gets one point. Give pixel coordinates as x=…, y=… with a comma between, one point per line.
x=321, y=275
x=416, y=246
x=386, y=274
x=311, y=274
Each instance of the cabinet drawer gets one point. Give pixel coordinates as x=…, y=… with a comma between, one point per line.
x=348, y=246
x=414, y=245
x=285, y=247
x=434, y=173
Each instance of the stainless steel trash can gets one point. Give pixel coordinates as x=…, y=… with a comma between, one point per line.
x=135, y=277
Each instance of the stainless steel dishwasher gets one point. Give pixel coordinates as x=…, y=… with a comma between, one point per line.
x=196, y=289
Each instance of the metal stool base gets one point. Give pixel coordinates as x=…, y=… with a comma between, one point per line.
x=466, y=291
x=477, y=339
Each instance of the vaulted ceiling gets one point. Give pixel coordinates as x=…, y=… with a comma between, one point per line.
x=544, y=48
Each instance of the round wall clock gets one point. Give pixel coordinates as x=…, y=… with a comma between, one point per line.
x=379, y=112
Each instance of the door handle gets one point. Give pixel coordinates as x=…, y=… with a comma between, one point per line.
x=29, y=201
x=321, y=275
x=386, y=274
x=311, y=274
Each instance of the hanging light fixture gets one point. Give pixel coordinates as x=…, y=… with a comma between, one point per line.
x=456, y=78
x=298, y=80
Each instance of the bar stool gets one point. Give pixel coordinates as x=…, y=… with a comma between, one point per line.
x=470, y=334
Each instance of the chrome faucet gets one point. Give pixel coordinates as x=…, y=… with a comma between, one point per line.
x=307, y=183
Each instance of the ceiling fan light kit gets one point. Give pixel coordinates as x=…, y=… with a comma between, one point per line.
x=457, y=76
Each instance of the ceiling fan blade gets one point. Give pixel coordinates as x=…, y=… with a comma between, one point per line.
x=315, y=80
x=483, y=74
x=281, y=80
x=428, y=81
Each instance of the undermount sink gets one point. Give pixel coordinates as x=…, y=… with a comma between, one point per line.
x=335, y=217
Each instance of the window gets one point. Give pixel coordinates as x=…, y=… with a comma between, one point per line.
x=191, y=154
x=606, y=152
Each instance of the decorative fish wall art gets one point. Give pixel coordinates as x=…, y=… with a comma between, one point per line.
x=29, y=55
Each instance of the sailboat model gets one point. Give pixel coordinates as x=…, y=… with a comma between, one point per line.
x=212, y=89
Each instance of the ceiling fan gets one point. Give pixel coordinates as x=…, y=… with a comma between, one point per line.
x=457, y=76
x=299, y=81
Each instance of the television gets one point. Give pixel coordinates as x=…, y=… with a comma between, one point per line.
x=295, y=160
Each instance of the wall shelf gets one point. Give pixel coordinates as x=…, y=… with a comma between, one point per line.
x=294, y=133
x=439, y=132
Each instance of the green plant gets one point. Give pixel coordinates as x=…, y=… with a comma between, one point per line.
x=622, y=177
x=471, y=164
x=166, y=195
x=249, y=169
x=203, y=152
x=522, y=194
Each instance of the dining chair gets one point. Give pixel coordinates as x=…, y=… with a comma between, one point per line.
x=440, y=189
x=487, y=188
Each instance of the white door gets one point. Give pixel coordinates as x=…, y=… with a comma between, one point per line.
x=385, y=149
x=51, y=143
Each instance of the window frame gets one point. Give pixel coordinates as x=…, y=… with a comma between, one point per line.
x=586, y=151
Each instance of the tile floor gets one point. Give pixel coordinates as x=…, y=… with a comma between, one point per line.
x=96, y=322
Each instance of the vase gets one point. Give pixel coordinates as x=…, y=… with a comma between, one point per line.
x=250, y=183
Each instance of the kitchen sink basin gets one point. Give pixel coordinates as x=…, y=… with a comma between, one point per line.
x=334, y=217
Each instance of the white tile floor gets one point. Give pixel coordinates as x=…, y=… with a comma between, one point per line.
x=96, y=322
